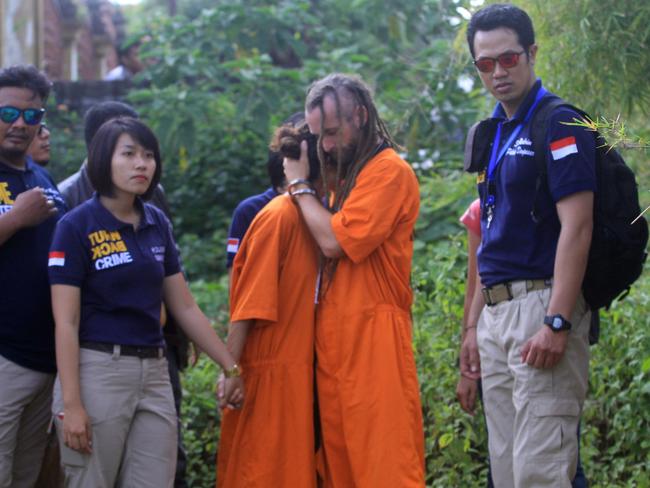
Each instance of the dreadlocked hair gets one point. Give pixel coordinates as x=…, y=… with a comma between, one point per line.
x=373, y=131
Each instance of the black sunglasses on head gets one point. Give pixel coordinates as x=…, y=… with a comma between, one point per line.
x=31, y=116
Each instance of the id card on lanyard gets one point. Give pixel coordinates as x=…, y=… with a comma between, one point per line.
x=496, y=156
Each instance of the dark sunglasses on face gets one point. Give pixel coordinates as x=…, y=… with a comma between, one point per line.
x=31, y=116
x=506, y=60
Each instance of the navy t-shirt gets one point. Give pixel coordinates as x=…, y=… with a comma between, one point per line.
x=515, y=247
x=26, y=323
x=242, y=218
x=119, y=270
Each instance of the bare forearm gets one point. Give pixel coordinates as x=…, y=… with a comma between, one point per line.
x=576, y=219
x=570, y=264
x=237, y=334
x=199, y=330
x=477, y=304
x=67, y=362
x=319, y=222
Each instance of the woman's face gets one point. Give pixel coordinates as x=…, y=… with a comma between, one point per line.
x=132, y=166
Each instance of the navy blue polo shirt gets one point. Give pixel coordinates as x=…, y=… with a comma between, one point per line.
x=242, y=218
x=26, y=323
x=515, y=247
x=119, y=270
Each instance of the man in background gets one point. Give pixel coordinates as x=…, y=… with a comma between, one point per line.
x=39, y=149
x=248, y=208
x=30, y=206
x=129, y=62
x=368, y=393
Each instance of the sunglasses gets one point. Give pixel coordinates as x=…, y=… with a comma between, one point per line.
x=31, y=116
x=505, y=60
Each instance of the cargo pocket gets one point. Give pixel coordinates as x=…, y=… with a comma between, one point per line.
x=553, y=429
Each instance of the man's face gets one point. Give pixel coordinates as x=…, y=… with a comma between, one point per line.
x=132, y=60
x=15, y=137
x=340, y=135
x=39, y=149
x=509, y=86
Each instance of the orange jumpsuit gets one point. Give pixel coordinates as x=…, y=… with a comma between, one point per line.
x=367, y=383
x=269, y=443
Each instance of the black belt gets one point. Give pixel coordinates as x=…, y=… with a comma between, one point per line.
x=142, y=352
x=503, y=291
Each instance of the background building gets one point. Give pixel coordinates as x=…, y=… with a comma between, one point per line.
x=70, y=40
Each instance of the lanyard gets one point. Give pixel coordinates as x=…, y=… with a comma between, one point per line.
x=496, y=155
x=496, y=159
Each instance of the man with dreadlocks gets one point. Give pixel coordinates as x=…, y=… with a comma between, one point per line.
x=366, y=378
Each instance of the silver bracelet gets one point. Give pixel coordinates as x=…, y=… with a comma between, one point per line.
x=298, y=181
x=303, y=191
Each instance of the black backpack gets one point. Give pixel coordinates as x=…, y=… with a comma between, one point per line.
x=618, y=247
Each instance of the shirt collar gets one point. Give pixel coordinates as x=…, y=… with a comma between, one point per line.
x=110, y=222
x=521, y=112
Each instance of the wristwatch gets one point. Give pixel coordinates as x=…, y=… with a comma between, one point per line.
x=557, y=323
x=233, y=372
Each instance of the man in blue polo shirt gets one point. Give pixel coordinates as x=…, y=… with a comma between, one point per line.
x=248, y=208
x=532, y=333
x=30, y=206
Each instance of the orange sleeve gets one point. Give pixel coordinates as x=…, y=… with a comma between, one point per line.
x=386, y=190
x=255, y=277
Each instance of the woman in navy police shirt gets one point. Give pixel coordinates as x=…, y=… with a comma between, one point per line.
x=112, y=261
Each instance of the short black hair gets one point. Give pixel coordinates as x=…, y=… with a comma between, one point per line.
x=26, y=76
x=275, y=169
x=102, y=148
x=500, y=15
x=103, y=112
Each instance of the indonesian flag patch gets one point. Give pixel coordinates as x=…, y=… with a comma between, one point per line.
x=56, y=258
x=233, y=245
x=563, y=147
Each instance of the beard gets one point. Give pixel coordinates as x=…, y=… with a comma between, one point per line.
x=12, y=154
x=343, y=156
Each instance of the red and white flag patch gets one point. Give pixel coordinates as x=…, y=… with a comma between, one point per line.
x=233, y=245
x=563, y=147
x=56, y=258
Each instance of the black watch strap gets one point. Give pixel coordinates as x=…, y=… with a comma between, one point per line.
x=557, y=322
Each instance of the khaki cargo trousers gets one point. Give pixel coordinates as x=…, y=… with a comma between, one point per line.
x=134, y=426
x=25, y=400
x=532, y=414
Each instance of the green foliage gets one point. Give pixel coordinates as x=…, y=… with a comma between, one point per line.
x=199, y=410
x=455, y=442
x=594, y=52
x=66, y=140
x=219, y=82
